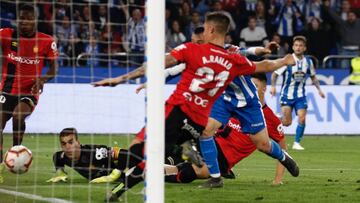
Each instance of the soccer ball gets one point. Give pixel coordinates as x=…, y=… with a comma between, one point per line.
x=18, y=159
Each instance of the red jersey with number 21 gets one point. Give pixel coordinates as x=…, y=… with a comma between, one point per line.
x=209, y=69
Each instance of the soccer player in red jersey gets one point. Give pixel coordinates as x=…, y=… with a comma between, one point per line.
x=23, y=53
x=209, y=69
x=233, y=145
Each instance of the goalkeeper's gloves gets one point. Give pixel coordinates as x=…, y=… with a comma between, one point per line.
x=114, y=175
x=59, y=176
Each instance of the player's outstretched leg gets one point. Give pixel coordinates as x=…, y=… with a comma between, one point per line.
x=273, y=149
x=209, y=151
x=21, y=111
x=181, y=173
x=300, y=128
x=135, y=177
x=4, y=118
x=290, y=165
x=299, y=134
x=2, y=165
x=284, y=158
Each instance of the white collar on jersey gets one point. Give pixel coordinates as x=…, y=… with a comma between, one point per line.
x=297, y=59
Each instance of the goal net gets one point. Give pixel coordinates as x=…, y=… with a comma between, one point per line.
x=95, y=40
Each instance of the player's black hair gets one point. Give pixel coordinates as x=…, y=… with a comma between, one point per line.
x=69, y=131
x=260, y=76
x=199, y=30
x=222, y=22
x=27, y=7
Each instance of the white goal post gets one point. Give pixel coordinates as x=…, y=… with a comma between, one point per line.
x=155, y=114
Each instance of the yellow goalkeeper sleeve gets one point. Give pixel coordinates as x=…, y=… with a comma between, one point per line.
x=114, y=175
x=59, y=176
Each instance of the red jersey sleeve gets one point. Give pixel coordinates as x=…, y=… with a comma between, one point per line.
x=181, y=52
x=51, y=49
x=245, y=66
x=5, y=33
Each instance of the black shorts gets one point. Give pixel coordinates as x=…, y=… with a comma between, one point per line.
x=178, y=129
x=9, y=102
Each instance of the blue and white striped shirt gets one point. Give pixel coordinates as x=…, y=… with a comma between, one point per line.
x=294, y=77
x=241, y=91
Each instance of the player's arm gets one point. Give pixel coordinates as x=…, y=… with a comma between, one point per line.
x=51, y=73
x=115, y=174
x=314, y=79
x=112, y=82
x=137, y=73
x=39, y=83
x=51, y=56
x=274, y=77
x=268, y=49
x=316, y=83
x=170, y=73
x=170, y=61
x=60, y=174
x=272, y=65
x=257, y=51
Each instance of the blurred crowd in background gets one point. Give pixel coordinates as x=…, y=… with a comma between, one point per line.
x=116, y=28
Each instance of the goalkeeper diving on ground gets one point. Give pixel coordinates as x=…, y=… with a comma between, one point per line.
x=97, y=163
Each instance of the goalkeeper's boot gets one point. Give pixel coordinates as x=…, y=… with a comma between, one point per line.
x=213, y=183
x=115, y=193
x=2, y=168
x=190, y=153
x=112, y=177
x=290, y=165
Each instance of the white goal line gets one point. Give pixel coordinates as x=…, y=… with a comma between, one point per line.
x=33, y=197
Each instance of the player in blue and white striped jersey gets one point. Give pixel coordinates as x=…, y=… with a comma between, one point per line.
x=292, y=94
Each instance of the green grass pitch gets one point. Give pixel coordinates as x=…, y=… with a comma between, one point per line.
x=330, y=172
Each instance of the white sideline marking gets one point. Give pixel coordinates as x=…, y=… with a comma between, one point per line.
x=33, y=197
